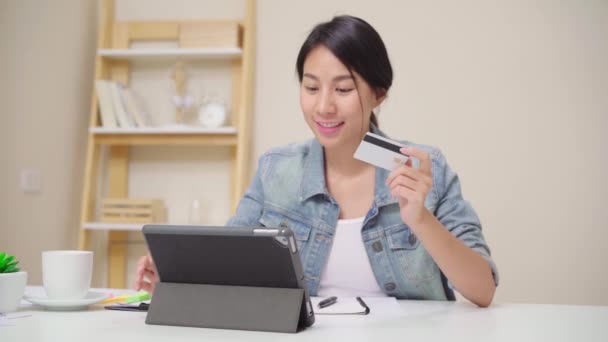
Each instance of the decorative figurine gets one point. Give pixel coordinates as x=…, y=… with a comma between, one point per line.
x=181, y=100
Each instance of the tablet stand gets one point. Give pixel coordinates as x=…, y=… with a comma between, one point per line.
x=227, y=307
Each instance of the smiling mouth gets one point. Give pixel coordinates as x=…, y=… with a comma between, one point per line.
x=330, y=124
x=329, y=129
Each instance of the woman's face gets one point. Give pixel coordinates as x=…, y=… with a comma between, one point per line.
x=336, y=107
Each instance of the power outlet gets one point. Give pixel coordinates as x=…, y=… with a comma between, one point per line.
x=31, y=180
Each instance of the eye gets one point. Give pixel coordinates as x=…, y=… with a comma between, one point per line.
x=344, y=90
x=311, y=89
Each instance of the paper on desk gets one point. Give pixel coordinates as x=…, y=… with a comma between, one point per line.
x=4, y=321
x=350, y=305
x=8, y=319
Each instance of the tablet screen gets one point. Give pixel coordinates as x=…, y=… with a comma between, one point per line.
x=223, y=256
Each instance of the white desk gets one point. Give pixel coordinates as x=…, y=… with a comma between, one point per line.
x=413, y=321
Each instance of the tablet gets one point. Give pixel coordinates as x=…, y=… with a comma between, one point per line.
x=238, y=256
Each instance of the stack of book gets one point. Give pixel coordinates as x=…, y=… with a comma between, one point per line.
x=118, y=107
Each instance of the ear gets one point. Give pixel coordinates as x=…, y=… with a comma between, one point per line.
x=380, y=96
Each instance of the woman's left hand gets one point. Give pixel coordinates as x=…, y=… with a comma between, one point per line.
x=410, y=186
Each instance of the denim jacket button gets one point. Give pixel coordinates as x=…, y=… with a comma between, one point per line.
x=390, y=286
x=412, y=239
x=377, y=246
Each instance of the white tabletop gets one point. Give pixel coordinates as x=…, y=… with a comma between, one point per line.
x=411, y=321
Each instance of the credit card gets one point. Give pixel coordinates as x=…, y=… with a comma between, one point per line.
x=381, y=152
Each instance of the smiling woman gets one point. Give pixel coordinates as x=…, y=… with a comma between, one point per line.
x=327, y=85
x=361, y=230
x=330, y=50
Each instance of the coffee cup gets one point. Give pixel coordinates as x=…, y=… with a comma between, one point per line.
x=67, y=274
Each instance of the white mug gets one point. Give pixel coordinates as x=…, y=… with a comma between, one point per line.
x=67, y=274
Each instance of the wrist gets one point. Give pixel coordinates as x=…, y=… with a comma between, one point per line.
x=425, y=220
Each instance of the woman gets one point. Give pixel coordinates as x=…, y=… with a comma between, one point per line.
x=361, y=230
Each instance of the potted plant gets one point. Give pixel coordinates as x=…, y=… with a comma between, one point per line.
x=12, y=283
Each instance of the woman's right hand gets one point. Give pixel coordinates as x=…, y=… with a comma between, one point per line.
x=147, y=275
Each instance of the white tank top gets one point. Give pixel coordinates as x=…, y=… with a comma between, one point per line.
x=348, y=272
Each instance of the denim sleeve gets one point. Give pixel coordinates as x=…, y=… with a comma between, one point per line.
x=456, y=214
x=250, y=207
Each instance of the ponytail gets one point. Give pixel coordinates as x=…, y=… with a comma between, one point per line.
x=373, y=120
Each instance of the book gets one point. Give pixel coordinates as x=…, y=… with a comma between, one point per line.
x=124, y=120
x=104, y=99
x=133, y=109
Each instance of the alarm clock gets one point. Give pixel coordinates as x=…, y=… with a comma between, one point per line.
x=212, y=115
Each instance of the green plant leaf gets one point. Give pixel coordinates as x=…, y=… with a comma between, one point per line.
x=2, y=255
x=7, y=261
x=11, y=269
x=7, y=264
x=3, y=263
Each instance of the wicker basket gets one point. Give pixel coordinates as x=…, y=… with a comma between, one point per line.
x=132, y=210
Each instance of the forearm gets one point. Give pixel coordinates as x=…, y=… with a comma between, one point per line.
x=466, y=269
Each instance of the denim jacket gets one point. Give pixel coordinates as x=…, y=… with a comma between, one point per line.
x=289, y=190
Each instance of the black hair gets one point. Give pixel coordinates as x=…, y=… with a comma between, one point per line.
x=357, y=45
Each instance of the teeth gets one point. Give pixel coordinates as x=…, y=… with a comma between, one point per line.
x=329, y=124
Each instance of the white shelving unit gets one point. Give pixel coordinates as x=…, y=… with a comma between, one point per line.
x=121, y=45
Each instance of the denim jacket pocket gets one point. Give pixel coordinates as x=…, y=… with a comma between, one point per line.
x=407, y=251
x=401, y=237
x=301, y=230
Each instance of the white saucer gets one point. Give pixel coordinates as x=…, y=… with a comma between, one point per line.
x=92, y=297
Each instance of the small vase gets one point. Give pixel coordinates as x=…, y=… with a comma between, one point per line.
x=12, y=288
x=195, y=216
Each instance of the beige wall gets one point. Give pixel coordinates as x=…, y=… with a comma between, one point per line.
x=46, y=68
x=513, y=93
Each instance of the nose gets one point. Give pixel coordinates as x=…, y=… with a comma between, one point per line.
x=326, y=104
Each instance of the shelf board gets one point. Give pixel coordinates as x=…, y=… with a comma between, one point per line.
x=118, y=226
x=168, y=53
x=223, y=136
x=113, y=226
x=163, y=130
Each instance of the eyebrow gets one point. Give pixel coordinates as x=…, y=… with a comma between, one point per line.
x=335, y=79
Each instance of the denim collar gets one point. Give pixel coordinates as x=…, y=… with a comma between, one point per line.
x=313, y=180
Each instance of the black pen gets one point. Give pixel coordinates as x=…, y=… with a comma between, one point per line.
x=327, y=302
